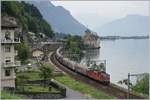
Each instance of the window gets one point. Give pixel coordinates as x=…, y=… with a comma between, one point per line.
x=7, y=72
x=7, y=48
x=8, y=61
x=16, y=35
x=7, y=35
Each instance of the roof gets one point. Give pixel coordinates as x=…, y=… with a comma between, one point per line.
x=90, y=36
x=87, y=31
x=37, y=49
x=8, y=22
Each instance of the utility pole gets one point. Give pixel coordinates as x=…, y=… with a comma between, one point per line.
x=128, y=94
x=128, y=83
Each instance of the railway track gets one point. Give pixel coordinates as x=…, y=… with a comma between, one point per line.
x=109, y=89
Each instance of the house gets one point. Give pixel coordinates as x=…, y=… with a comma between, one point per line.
x=9, y=38
x=91, y=40
x=37, y=53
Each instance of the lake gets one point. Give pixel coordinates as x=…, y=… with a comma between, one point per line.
x=123, y=57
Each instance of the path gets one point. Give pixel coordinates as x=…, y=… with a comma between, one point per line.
x=70, y=93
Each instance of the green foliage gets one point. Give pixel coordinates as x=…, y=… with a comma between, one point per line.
x=37, y=88
x=46, y=71
x=32, y=75
x=7, y=95
x=23, y=52
x=143, y=85
x=31, y=9
x=82, y=87
x=20, y=81
x=28, y=16
x=74, y=44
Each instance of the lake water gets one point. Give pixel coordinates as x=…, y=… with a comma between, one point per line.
x=123, y=57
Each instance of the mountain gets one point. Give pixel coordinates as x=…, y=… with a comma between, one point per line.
x=28, y=17
x=87, y=19
x=59, y=18
x=130, y=25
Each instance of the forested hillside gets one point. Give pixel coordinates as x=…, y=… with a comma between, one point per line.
x=60, y=18
x=28, y=16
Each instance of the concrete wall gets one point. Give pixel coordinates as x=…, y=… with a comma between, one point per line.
x=8, y=55
x=8, y=81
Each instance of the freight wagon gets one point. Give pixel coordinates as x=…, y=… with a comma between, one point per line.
x=97, y=75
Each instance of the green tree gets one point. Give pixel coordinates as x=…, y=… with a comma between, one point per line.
x=46, y=72
x=23, y=52
x=143, y=85
x=74, y=44
x=28, y=16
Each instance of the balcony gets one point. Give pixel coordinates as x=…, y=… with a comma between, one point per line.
x=10, y=40
x=11, y=64
x=8, y=77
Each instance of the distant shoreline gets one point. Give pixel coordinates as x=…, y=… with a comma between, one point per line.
x=123, y=37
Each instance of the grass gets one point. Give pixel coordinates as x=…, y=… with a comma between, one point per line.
x=83, y=88
x=7, y=95
x=71, y=83
x=33, y=88
x=37, y=88
x=141, y=94
x=32, y=75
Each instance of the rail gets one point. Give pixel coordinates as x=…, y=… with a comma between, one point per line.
x=111, y=89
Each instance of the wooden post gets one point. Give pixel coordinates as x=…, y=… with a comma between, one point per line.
x=105, y=65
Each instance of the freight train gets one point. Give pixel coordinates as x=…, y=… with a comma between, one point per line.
x=100, y=76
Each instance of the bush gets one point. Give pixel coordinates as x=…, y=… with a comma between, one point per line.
x=143, y=85
x=28, y=15
x=7, y=95
x=74, y=44
x=46, y=72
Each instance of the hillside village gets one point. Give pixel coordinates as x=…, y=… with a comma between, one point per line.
x=13, y=34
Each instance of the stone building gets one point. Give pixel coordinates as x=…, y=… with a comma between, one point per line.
x=91, y=40
x=9, y=38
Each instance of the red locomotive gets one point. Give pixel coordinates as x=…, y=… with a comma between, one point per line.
x=96, y=72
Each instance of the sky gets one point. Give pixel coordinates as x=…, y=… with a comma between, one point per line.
x=92, y=12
